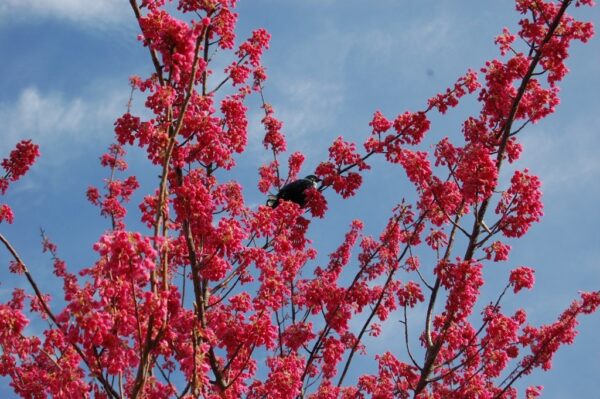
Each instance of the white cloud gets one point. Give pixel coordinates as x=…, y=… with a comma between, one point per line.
x=567, y=158
x=103, y=12
x=57, y=123
x=314, y=93
x=310, y=106
x=435, y=35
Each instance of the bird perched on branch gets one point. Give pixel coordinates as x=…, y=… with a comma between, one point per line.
x=294, y=191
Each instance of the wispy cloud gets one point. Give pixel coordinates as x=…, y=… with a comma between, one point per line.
x=414, y=42
x=57, y=123
x=566, y=158
x=320, y=70
x=310, y=106
x=88, y=12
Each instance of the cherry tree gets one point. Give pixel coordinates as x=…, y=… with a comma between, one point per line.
x=219, y=299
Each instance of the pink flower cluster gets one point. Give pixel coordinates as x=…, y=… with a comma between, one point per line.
x=342, y=156
x=118, y=192
x=221, y=299
x=15, y=166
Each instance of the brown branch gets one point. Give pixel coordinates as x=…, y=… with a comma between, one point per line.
x=406, y=340
x=378, y=303
x=327, y=328
x=432, y=353
x=157, y=67
x=109, y=389
x=531, y=364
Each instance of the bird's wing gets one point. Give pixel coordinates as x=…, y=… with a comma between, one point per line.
x=294, y=188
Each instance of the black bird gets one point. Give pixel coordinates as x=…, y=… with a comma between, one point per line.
x=294, y=191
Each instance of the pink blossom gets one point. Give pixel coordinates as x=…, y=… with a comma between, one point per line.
x=522, y=277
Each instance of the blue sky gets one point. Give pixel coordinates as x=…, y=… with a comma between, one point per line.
x=332, y=63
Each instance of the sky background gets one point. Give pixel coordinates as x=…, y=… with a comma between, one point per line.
x=332, y=63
